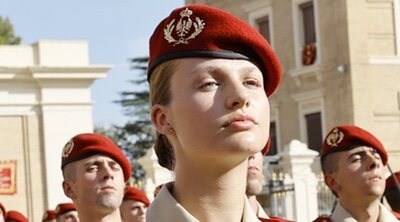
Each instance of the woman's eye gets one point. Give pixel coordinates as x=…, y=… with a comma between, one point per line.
x=253, y=82
x=115, y=167
x=92, y=168
x=208, y=85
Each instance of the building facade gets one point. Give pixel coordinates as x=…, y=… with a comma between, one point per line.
x=341, y=63
x=45, y=99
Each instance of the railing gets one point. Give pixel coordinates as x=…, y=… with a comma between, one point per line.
x=281, y=192
x=326, y=199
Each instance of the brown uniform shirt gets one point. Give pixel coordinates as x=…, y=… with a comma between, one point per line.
x=165, y=209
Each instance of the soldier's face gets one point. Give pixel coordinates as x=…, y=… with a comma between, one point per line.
x=255, y=174
x=218, y=107
x=133, y=211
x=360, y=174
x=71, y=216
x=99, y=183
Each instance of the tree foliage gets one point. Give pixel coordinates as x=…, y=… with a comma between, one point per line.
x=7, y=36
x=137, y=135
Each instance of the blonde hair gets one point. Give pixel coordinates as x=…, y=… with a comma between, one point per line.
x=160, y=94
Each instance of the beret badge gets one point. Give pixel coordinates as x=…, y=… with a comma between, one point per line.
x=68, y=149
x=335, y=137
x=183, y=28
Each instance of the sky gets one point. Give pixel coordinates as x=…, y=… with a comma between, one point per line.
x=115, y=31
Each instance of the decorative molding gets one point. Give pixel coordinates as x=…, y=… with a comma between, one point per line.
x=313, y=71
x=384, y=60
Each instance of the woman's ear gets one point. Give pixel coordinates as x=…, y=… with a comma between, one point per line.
x=158, y=115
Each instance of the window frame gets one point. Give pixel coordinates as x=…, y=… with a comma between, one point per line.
x=299, y=33
x=258, y=10
x=308, y=103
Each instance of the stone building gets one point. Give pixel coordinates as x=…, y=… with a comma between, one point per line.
x=45, y=99
x=341, y=65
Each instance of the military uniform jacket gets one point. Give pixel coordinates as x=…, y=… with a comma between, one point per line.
x=260, y=212
x=341, y=215
x=165, y=209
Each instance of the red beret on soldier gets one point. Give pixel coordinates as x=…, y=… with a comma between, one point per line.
x=87, y=144
x=347, y=137
x=63, y=208
x=265, y=150
x=15, y=216
x=49, y=215
x=195, y=31
x=132, y=193
x=390, y=181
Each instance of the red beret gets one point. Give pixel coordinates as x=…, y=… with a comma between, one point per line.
x=347, y=137
x=390, y=183
x=84, y=145
x=265, y=150
x=132, y=193
x=203, y=31
x=63, y=208
x=49, y=215
x=13, y=215
x=3, y=210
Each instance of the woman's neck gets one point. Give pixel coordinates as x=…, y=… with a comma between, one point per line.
x=209, y=193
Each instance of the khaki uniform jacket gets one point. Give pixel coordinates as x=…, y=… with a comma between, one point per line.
x=341, y=215
x=165, y=209
x=260, y=212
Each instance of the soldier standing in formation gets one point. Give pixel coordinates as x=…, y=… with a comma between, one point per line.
x=353, y=163
x=210, y=76
x=95, y=171
x=134, y=205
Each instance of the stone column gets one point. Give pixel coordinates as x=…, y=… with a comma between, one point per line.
x=296, y=163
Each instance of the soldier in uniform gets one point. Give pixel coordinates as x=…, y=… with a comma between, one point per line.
x=353, y=163
x=210, y=76
x=254, y=185
x=95, y=171
x=66, y=212
x=392, y=193
x=134, y=205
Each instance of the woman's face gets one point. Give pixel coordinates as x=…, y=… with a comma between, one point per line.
x=218, y=106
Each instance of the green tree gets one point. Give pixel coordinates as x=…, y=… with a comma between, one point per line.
x=119, y=136
x=137, y=135
x=7, y=36
x=137, y=132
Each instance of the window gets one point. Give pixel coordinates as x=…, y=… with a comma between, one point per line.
x=314, y=130
x=311, y=117
x=307, y=10
x=305, y=21
x=273, y=149
x=263, y=27
x=309, y=52
x=260, y=16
